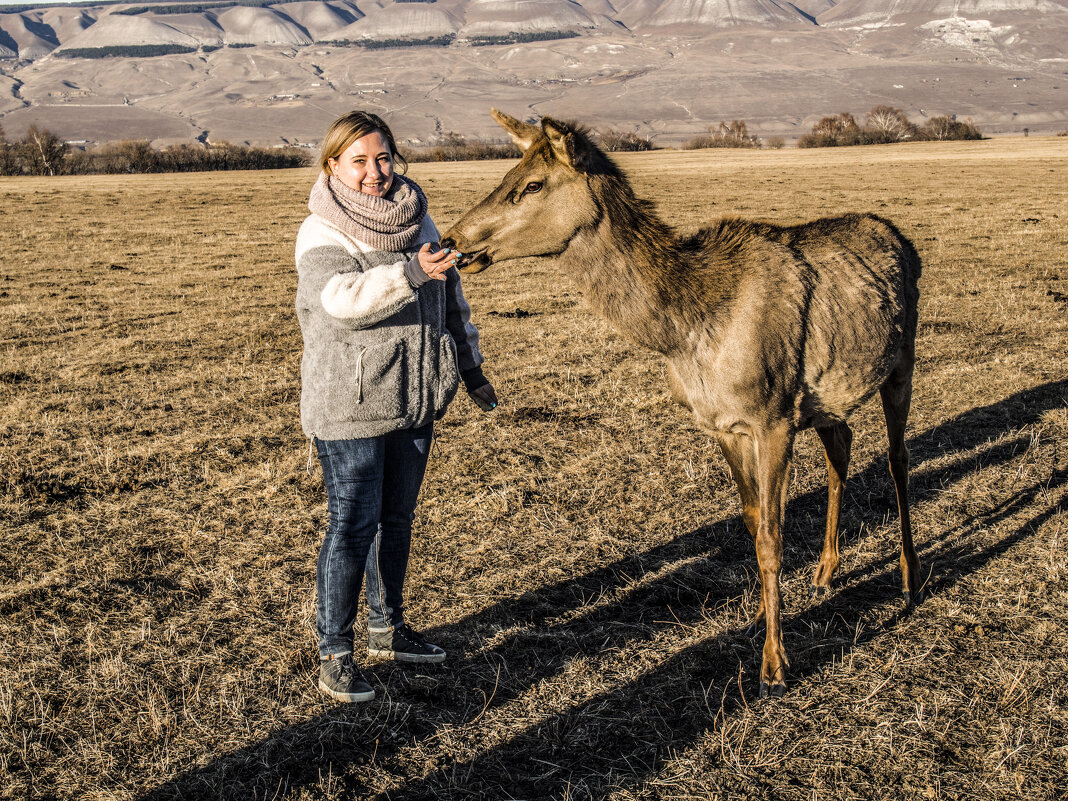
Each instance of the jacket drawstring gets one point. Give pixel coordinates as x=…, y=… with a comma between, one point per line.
x=359, y=376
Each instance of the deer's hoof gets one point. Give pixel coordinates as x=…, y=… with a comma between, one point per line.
x=913, y=598
x=815, y=591
x=754, y=629
x=773, y=690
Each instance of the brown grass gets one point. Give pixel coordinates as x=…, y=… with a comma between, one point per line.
x=580, y=551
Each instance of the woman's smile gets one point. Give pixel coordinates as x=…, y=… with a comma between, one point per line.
x=366, y=165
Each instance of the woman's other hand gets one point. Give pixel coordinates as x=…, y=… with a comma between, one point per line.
x=436, y=264
x=484, y=397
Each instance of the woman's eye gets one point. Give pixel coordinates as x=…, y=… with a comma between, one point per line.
x=532, y=187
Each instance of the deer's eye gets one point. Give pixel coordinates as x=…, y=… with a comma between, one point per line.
x=532, y=187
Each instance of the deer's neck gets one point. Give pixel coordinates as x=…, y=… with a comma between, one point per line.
x=630, y=270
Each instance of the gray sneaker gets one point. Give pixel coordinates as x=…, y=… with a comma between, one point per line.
x=404, y=644
x=341, y=679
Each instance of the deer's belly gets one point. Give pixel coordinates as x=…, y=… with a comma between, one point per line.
x=733, y=398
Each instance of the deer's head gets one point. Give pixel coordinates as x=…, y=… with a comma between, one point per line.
x=541, y=204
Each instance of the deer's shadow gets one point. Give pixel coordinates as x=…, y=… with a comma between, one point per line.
x=584, y=745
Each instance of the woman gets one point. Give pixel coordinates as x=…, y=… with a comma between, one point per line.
x=387, y=338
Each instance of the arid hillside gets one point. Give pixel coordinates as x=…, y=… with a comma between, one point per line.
x=666, y=69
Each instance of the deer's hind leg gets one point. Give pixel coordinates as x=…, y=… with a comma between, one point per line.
x=837, y=443
x=896, y=394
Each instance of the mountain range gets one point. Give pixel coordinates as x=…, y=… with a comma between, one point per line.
x=277, y=73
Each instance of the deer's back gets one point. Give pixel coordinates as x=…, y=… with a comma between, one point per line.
x=817, y=316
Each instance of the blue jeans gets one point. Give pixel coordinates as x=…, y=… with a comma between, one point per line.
x=371, y=489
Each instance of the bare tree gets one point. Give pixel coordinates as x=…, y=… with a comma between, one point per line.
x=43, y=151
x=9, y=161
x=728, y=134
x=734, y=134
x=888, y=124
x=834, y=131
x=623, y=141
x=943, y=128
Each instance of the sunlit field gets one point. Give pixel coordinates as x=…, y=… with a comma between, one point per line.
x=580, y=551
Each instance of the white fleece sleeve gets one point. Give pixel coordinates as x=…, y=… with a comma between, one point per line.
x=351, y=296
x=334, y=276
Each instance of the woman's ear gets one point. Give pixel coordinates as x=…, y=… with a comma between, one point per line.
x=332, y=164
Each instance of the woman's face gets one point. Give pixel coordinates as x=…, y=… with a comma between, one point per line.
x=366, y=165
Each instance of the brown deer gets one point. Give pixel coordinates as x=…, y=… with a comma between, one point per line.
x=767, y=330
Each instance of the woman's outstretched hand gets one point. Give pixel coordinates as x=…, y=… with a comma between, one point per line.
x=484, y=397
x=437, y=264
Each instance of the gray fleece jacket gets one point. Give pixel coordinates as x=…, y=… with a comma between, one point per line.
x=378, y=354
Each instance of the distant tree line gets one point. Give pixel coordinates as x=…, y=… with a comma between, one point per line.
x=613, y=141
x=447, y=39
x=19, y=9
x=125, y=51
x=41, y=152
x=142, y=51
x=387, y=44
x=193, y=8
x=520, y=38
x=885, y=125
x=731, y=134
x=455, y=147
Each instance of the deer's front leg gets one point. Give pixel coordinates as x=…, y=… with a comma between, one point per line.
x=774, y=449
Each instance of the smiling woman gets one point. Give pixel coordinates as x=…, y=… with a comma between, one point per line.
x=366, y=162
x=387, y=339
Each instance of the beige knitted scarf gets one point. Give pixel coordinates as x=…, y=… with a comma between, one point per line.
x=385, y=223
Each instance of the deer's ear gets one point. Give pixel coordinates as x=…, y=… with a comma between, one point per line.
x=522, y=133
x=570, y=148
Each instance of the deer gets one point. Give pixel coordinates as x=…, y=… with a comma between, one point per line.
x=766, y=329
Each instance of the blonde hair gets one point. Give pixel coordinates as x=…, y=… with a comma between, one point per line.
x=347, y=128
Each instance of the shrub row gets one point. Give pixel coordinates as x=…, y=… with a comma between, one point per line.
x=125, y=51
x=148, y=51
x=519, y=38
x=455, y=147
x=192, y=8
x=447, y=39
x=385, y=44
x=41, y=152
x=732, y=134
x=885, y=125
x=615, y=141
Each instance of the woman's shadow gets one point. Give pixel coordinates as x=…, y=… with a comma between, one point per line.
x=607, y=609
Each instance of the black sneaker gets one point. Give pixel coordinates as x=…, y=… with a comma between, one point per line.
x=404, y=644
x=342, y=680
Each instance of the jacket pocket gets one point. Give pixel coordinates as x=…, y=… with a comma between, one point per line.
x=448, y=374
x=372, y=382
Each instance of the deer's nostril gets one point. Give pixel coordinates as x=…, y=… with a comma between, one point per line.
x=448, y=242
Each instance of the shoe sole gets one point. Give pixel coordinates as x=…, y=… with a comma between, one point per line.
x=400, y=656
x=348, y=698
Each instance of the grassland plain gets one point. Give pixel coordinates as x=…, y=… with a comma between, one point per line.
x=579, y=551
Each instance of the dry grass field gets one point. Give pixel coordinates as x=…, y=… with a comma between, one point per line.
x=579, y=552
